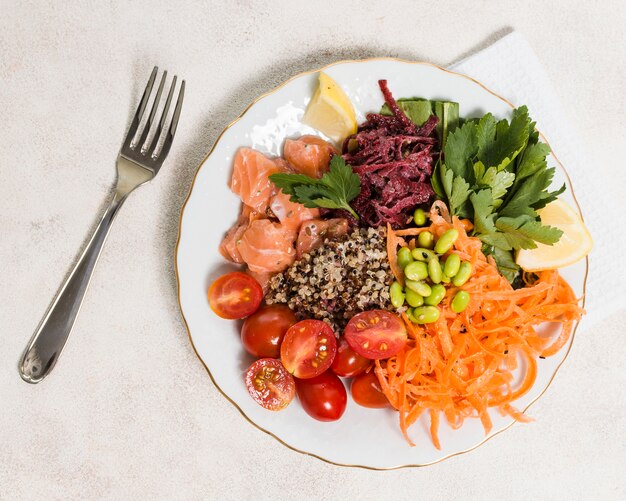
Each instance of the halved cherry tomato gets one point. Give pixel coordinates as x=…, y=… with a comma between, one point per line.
x=348, y=363
x=308, y=348
x=269, y=384
x=323, y=397
x=263, y=331
x=376, y=334
x=235, y=295
x=366, y=391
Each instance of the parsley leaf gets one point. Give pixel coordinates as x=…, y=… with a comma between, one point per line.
x=436, y=181
x=523, y=231
x=509, y=140
x=288, y=182
x=505, y=262
x=532, y=160
x=496, y=174
x=496, y=239
x=485, y=134
x=499, y=182
x=460, y=148
x=457, y=191
x=342, y=179
x=334, y=190
x=547, y=197
x=528, y=193
x=483, y=211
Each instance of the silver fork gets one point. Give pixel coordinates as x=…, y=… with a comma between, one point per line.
x=137, y=163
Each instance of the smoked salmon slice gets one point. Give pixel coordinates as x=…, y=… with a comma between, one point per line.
x=228, y=247
x=250, y=179
x=290, y=214
x=309, y=155
x=313, y=233
x=266, y=246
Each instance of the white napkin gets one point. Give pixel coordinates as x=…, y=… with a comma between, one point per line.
x=511, y=68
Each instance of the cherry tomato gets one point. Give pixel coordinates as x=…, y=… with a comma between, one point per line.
x=348, y=363
x=366, y=391
x=308, y=348
x=235, y=295
x=269, y=384
x=376, y=334
x=322, y=397
x=263, y=331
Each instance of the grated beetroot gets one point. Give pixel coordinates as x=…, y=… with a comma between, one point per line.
x=394, y=159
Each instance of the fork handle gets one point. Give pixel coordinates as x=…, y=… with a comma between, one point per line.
x=48, y=341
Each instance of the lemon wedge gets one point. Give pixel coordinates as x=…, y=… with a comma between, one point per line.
x=330, y=110
x=574, y=244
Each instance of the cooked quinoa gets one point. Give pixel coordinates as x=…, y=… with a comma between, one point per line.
x=338, y=280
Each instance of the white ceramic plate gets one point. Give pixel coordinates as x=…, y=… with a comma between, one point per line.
x=363, y=437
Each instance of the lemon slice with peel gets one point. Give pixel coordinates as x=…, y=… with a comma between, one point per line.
x=574, y=244
x=330, y=110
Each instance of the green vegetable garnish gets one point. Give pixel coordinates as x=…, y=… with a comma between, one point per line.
x=334, y=190
x=448, y=113
x=495, y=174
x=419, y=110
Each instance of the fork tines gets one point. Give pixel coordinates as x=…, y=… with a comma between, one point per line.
x=146, y=149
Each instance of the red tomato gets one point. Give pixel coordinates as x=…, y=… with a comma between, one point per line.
x=263, y=331
x=323, y=397
x=366, y=391
x=269, y=384
x=308, y=348
x=235, y=295
x=376, y=334
x=348, y=363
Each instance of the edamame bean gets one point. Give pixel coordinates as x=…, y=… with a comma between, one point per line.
x=452, y=265
x=446, y=241
x=445, y=279
x=396, y=295
x=463, y=275
x=409, y=313
x=422, y=288
x=426, y=314
x=417, y=270
x=460, y=301
x=426, y=240
x=413, y=298
x=404, y=257
x=434, y=270
x=419, y=216
x=437, y=294
x=420, y=254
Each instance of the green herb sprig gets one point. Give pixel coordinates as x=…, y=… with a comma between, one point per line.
x=495, y=174
x=334, y=190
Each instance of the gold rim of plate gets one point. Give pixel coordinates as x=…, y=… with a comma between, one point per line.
x=180, y=219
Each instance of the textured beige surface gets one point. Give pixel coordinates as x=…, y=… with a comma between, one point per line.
x=129, y=412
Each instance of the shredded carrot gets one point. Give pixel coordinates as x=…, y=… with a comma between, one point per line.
x=411, y=232
x=434, y=427
x=463, y=364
